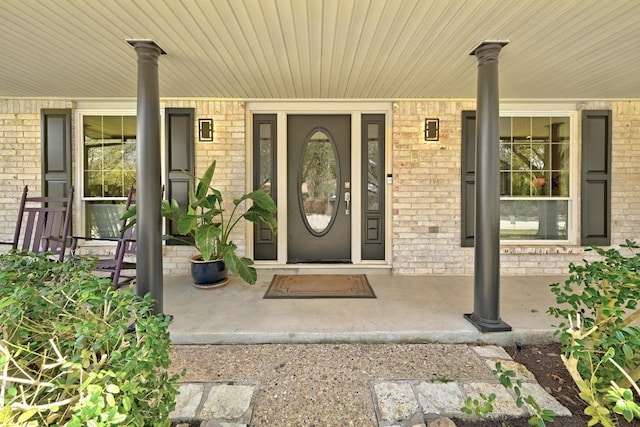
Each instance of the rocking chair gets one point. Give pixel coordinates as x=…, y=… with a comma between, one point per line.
x=126, y=246
x=43, y=224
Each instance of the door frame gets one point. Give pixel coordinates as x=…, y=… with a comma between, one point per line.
x=283, y=109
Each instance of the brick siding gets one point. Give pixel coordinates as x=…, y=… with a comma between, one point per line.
x=425, y=195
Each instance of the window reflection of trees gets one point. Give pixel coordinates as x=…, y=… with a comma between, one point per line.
x=319, y=180
x=534, y=165
x=110, y=158
x=110, y=155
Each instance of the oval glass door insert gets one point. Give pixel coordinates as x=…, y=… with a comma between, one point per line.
x=319, y=182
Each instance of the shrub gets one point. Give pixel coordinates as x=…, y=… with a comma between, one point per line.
x=76, y=352
x=600, y=343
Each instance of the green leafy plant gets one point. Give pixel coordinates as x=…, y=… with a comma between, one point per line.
x=207, y=226
x=540, y=416
x=601, y=348
x=484, y=405
x=76, y=352
x=480, y=407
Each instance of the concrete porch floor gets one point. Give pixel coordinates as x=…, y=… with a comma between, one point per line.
x=419, y=309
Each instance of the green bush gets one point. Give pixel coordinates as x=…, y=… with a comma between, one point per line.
x=76, y=352
x=600, y=337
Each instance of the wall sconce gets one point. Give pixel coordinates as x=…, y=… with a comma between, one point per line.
x=431, y=129
x=205, y=129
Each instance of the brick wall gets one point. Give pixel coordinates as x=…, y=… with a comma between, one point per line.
x=19, y=155
x=426, y=186
x=229, y=150
x=426, y=190
x=426, y=193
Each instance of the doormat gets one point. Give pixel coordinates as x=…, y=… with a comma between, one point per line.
x=320, y=286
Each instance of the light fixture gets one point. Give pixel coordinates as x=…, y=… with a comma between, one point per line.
x=205, y=129
x=431, y=129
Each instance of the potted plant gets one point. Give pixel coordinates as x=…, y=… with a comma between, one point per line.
x=209, y=228
x=205, y=225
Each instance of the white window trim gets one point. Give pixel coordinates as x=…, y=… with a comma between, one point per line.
x=574, y=179
x=122, y=108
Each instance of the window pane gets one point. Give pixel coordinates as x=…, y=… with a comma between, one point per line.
x=559, y=129
x=534, y=163
x=505, y=129
x=373, y=167
x=521, y=129
x=521, y=184
x=560, y=183
x=103, y=219
x=505, y=156
x=266, y=147
x=505, y=183
x=521, y=159
x=540, y=129
x=533, y=219
x=109, y=171
x=319, y=186
x=93, y=183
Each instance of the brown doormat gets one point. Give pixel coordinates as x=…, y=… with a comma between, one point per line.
x=320, y=286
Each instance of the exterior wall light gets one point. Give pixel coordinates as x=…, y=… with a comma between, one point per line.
x=431, y=129
x=205, y=130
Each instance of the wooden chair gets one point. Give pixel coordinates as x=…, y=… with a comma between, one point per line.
x=119, y=267
x=43, y=224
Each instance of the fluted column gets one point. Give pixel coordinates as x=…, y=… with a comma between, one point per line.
x=486, y=307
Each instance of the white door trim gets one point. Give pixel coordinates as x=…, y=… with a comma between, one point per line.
x=283, y=109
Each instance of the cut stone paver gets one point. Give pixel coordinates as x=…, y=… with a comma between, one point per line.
x=544, y=399
x=396, y=401
x=491, y=352
x=187, y=401
x=440, y=398
x=522, y=373
x=402, y=403
x=503, y=406
x=228, y=403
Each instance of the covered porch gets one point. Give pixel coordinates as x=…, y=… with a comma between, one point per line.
x=417, y=309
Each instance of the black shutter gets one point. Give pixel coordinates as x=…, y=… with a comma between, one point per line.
x=179, y=135
x=468, y=169
x=595, y=203
x=56, y=152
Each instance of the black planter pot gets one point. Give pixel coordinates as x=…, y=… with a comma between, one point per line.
x=208, y=274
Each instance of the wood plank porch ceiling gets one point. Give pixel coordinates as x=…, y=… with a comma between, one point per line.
x=335, y=49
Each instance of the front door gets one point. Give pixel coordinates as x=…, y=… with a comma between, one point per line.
x=319, y=188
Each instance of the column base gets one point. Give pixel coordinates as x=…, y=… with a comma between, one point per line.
x=486, y=325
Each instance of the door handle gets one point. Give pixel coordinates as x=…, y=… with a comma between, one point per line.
x=347, y=199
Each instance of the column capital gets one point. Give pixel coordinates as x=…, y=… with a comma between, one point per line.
x=488, y=51
x=148, y=48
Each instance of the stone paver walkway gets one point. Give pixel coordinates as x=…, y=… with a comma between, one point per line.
x=403, y=403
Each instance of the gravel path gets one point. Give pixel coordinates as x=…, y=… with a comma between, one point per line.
x=322, y=384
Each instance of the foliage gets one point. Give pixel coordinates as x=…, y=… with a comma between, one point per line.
x=540, y=415
x=206, y=223
x=76, y=352
x=602, y=349
x=484, y=406
x=479, y=407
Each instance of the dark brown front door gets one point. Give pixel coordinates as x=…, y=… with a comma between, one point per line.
x=319, y=188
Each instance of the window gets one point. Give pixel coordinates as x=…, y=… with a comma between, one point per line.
x=109, y=170
x=538, y=178
x=535, y=178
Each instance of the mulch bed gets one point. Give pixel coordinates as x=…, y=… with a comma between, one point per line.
x=544, y=362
